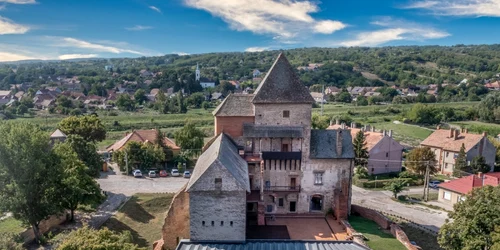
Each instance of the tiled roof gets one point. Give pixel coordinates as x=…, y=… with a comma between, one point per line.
x=4, y=92
x=371, y=138
x=282, y=85
x=465, y=184
x=235, y=105
x=141, y=136
x=225, y=152
x=324, y=145
x=441, y=139
x=269, y=131
x=271, y=245
x=58, y=134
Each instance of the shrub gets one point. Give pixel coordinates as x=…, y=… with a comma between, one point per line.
x=382, y=183
x=407, y=174
x=112, y=113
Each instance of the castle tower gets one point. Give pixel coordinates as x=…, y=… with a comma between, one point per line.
x=197, y=72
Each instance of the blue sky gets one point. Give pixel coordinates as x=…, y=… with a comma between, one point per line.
x=65, y=29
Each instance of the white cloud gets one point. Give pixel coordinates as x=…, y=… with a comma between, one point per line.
x=256, y=49
x=281, y=18
x=7, y=26
x=75, y=43
x=7, y=57
x=328, y=27
x=77, y=56
x=181, y=53
x=394, y=30
x=459, y=7
x=155, y=8
x=139, y=28
x=18, y=1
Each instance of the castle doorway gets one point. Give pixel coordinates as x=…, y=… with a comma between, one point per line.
x=316, y=203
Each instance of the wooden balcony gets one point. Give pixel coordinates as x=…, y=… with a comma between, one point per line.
x=282, y=188
x=281, y=155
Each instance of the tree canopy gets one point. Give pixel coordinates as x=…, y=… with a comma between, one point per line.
x=104, y=239
x=189, y=138
x=419, y=158
x=89, y=127
x=474, y=223
x=360, y=149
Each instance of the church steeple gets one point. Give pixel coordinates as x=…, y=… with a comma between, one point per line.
x=197, y=74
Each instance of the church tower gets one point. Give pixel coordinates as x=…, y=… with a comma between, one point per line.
x=197, y=72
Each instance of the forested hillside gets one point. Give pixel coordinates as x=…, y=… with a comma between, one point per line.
x=402, y=66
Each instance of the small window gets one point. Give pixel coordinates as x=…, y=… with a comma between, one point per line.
x=203, y=223
x=286, y=113
x=218, y=183
x=447, y=196
x=269, y=208
x=447, y=153
x=231, y=223
x=213, y=223
x=281, y=202
x=318, y=178
x=222, y=223
x=387, y=154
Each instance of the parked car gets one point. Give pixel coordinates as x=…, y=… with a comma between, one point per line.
x=163, y=173
x=152, y=174
x=137, y=173
x=175, y=172
x=434, y=184
x=187, y=174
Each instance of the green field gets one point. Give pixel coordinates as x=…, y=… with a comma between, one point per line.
x=11, y=225
x=380, y=116
x=479, y=127
x=378, y=239
x=143, y=215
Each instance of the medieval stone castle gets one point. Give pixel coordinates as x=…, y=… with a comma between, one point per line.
x=264, y=161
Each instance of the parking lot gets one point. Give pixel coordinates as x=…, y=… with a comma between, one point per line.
x=117, y=183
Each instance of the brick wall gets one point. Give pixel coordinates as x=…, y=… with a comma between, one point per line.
x=373, y=215
x=353, y=234
x=176, y=226
x=232, y=125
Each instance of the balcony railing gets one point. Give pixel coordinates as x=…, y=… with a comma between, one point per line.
x=282, y=188
x=281, y=155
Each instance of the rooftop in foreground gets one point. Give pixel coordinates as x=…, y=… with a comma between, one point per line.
x=270, y=244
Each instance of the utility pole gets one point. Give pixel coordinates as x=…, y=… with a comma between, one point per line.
x=426, y=181
x=322, y=97
x=126, y=161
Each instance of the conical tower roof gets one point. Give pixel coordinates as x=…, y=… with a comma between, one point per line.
x=282, y=85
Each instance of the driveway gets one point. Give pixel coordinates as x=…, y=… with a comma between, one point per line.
x=117, y=183
x=381, y=200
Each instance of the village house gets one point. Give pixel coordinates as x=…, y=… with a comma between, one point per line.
x=5, y=96
x=493, y=85
x=143, y=136
x=332, y=90
x=145, y=73
x=385, y=155
x=256, y=73
x=456, y=190
x=264, y=161
x=446, y=145
x=318, y=97
x=58, y=136
x=310, y=67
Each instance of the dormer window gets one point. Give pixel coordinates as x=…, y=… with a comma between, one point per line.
x=286, y=113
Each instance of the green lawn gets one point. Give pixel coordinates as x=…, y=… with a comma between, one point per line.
x=143, y=215
x=422, y=238
x=378, y=239
x=11, y=225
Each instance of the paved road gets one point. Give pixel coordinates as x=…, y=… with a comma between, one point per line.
x=117, y=183
x=381, y=200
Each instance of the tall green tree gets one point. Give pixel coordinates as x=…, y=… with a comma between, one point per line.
x=181, y=105
x=140, y=96
x=189, y=138
x=137, y=155
x=471, y=224
x=319, y=121
x=419, y=158
x=489, y=108
x=396, y=187
x=104, y=239
x=123, y=102
x=89, y=127
x=77, y=187
x=29, y=174
x=360, y=149
x=460, y=163
x=87, y=153
x=478, y=164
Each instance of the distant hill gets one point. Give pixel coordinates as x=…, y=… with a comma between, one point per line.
x=358, y=66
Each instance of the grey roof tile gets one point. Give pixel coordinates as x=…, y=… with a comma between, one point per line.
x=324, y=145
x=267, y=131
x=271, y=244
x=235, y=105
x=223, y=150
x=282, y=85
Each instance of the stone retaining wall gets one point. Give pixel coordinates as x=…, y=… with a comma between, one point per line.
x=45, y=226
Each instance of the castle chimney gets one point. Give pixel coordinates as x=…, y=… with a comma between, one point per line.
x=485, y=134
x=452, y=132
x=383, y=132
x=438, y=127
x=337, y=122
x=342, y=126
x=455, y=136
x=331, y=122
x=466, y=130
x=373, y=128
x=339, y=142
x=479, y=174
x=390, y=132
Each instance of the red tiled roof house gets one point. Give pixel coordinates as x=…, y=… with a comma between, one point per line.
x=143, y=136
x=455, y=190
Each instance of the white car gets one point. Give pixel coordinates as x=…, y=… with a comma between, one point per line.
x=175, y=172
x=152, y=174
x=137, y=173
x=434, y=184
x=187, y=174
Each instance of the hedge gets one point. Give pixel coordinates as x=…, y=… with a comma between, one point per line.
x=382, y=183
